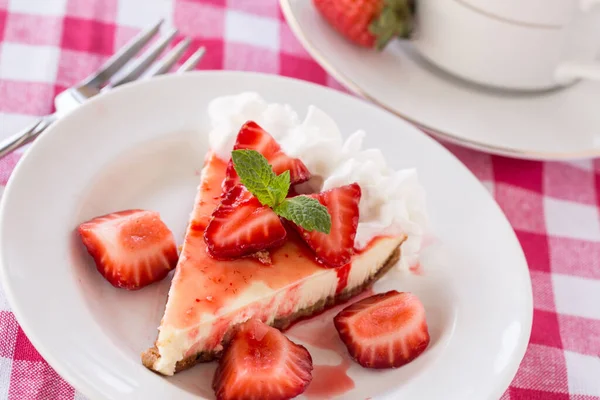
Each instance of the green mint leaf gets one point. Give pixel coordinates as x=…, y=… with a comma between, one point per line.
x=257, y=175
x=271, y=190
x=280, y=186
x=306, y=212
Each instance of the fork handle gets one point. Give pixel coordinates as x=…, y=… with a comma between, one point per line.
x=23, y=137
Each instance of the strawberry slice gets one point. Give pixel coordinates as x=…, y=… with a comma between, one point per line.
x=385, y=330
x=261, y=363
x=253, y=137
x=240, y=225
x=336, y=248
x=131, y=248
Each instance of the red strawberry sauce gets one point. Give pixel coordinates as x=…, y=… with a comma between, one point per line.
x=328, y=380
x=342, y=274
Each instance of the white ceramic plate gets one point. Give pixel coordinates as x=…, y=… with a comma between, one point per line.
x=141, y=146
x=554, y=125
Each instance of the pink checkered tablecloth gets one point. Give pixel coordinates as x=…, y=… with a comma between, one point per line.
x=47, y=45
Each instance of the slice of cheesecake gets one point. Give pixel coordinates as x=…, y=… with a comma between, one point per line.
x=208, y=297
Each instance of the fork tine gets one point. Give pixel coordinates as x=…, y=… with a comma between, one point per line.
x=165, y=64
x=191, y=62
x=145, y=61
x=120, y=58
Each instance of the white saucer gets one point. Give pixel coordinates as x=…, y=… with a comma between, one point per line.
x=141, y=146
x=563, y=124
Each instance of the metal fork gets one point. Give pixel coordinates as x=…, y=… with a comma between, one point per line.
x=102, y=80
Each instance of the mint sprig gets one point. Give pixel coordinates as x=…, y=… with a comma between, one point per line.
x=306, y=212
x=271, y=190
x=258, y=177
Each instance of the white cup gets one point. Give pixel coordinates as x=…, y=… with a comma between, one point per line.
x=511, y=44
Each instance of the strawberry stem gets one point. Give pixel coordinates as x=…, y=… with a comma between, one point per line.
x=395, y=20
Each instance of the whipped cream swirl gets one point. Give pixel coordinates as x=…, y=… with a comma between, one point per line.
x=392, y=202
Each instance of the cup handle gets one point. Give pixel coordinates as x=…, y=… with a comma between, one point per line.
x=587, y=5
x=567, y=72
x=570, y=71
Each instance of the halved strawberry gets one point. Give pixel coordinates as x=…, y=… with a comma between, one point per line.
x=253, y=137
x=336, y=248
x=131, y=248
x=240, y=225
x=261, y=363
x=386, y=330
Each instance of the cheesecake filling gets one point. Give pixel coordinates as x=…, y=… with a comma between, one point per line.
x=258, y=300
x=392, y=202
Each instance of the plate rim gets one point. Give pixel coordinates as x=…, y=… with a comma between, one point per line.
x=88, y=389
x=290, y=17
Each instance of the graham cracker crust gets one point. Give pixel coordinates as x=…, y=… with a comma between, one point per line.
x=150, y=356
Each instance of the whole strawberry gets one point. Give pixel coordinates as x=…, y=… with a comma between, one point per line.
x=369, y=23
